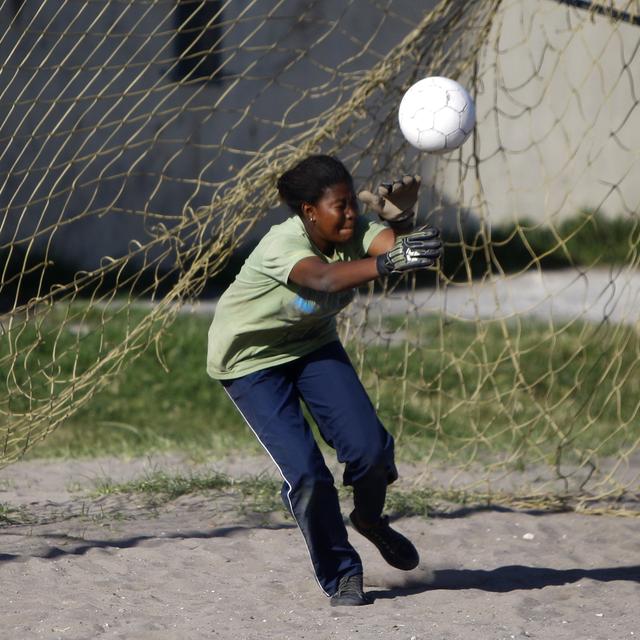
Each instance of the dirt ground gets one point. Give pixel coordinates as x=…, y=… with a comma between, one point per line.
x=205, y=566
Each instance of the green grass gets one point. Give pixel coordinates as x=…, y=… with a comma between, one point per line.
x=13, y=515
x=259, y=494
x=587, y=239
x=164, y=484
x=521, y=389
x=142, y=409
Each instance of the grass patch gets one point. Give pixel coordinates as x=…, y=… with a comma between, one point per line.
x=262, y=494
x=163, y=484
x=523, y=387
x=142, y=409
x=13, y=515
x=258, y=493
x=458, y=389
x=587, y=239
x=427, y=502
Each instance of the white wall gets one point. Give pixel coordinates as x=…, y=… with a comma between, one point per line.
x=558, y=117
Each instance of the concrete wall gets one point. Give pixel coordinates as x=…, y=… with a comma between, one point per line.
x=558, y=117
x=92, y=120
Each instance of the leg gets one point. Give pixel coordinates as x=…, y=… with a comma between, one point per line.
x=347, y=420
x=271, y=407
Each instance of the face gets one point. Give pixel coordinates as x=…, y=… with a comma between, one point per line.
x=332, y=219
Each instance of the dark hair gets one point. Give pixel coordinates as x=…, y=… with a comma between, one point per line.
x=307, y=181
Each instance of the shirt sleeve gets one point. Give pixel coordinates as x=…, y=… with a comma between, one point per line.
x=366, y=231
x=282, y=254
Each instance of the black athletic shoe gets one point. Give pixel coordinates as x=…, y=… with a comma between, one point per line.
x=394, y=547
x=350, y=593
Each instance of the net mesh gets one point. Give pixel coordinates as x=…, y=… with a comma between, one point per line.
x=140, y=146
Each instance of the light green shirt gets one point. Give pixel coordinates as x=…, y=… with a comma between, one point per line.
x=262, y=319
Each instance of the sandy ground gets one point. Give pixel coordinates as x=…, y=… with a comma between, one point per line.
x=205, y=566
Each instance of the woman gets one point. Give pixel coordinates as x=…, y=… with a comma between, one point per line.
x=273, y=344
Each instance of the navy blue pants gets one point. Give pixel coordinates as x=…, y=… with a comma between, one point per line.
x=270, y=402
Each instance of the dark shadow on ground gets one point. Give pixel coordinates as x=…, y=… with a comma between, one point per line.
x=504, y=579
x=453, y=512
x=75, y=546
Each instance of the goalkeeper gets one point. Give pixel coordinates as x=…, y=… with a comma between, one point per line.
x=273, y=344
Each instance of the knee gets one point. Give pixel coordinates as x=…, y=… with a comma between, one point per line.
x=308, y=476
x=374, y=463
x=376, y=456
x=309, y=490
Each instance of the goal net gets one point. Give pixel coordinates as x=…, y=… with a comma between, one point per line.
x=141, y=141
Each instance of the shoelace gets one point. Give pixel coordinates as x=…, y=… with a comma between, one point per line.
x=350, y=585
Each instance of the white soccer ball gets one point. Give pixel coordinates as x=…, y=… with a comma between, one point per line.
x=436, y=114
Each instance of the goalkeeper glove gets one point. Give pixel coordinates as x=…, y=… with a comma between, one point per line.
x=395, y=202
x=417, y=250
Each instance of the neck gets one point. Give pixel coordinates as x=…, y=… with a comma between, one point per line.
x=324, y=246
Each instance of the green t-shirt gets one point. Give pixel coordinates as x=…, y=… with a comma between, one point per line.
x=262, y=319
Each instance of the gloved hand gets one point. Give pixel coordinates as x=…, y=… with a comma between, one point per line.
x=417, y=250
x=395, y=202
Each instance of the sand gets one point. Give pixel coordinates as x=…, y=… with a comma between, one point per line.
x=206, y=566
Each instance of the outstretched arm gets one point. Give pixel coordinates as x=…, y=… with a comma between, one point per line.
x=315, y=274
x=417, y=250
x=383, y=242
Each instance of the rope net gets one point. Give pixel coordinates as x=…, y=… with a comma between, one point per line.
x=140, y=146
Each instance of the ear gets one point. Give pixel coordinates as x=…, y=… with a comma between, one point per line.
x=308, y=211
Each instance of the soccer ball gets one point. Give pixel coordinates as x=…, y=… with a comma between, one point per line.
x=436, y=114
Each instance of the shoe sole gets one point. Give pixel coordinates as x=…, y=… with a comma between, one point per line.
x=350, y=602
x=383, y=552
